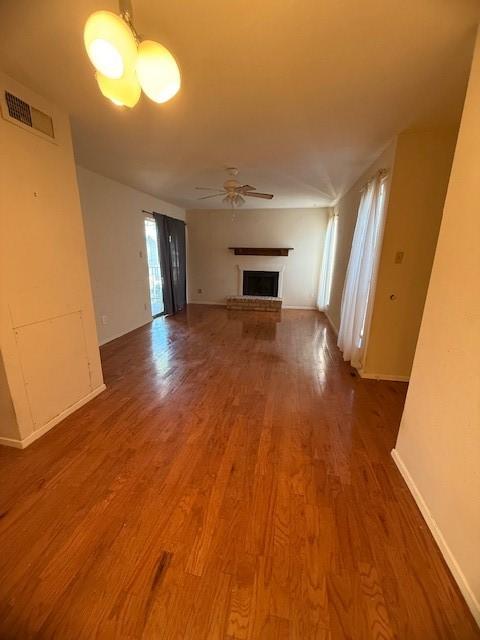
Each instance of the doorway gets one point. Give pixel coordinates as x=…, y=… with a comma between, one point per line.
x=154, y=272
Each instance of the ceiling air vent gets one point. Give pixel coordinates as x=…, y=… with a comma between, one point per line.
x=27, y=115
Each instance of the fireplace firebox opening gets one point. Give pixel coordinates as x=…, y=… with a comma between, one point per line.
x=260, y=283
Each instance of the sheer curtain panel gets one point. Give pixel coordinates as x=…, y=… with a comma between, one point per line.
x=328, y=261
x=361, y=272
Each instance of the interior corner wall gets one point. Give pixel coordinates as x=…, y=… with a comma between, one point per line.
x=51, y=362
x=212, y=268
x=8, y=419
x=115, y=237
x=423, y=160
x=438, y=446
x=347, y=209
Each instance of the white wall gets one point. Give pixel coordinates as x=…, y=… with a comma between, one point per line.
x=213, y=268
x=8, y=419
x=114, y=231
x=419, y=164
x=49, y=347
x=438, y=447
x=423, y=159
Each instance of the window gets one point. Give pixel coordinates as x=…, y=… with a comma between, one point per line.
x=328, y=263
x=154, y=273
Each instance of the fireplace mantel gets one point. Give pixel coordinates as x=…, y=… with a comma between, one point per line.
x=261, y=251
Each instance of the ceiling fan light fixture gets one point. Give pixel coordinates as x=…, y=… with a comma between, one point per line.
x=110, y=44
x=124, y=92
x=157, y=71
x=235, y=191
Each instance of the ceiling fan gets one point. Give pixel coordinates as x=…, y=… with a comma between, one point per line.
x=233, y=192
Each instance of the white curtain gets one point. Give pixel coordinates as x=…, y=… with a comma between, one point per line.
x=328, y=260
x=361, y=272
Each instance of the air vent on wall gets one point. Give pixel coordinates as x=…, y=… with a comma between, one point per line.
x=27, y=115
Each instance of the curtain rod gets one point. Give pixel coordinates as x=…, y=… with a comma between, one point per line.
x=151, y=213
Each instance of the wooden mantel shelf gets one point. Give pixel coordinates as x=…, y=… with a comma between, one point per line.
x=261, y=251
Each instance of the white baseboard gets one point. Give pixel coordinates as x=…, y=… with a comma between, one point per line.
x=447, y=553
x=21, y=444
x=383, y=376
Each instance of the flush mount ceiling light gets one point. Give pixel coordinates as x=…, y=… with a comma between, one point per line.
x=125, y=64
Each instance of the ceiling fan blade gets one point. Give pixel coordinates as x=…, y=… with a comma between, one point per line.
x=208, y=188
x=214, y=195
x=245, y=187
x=265, y=196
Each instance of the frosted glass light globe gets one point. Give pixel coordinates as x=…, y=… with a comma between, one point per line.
x=107, y=58
x=110, y=44
x=124, y=92
x=157, y=71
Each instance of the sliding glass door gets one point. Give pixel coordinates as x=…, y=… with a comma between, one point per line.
x=154, y=271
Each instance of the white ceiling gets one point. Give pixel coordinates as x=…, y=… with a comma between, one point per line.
x=301, y=95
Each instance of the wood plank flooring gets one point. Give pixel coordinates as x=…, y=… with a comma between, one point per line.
x=233, y=482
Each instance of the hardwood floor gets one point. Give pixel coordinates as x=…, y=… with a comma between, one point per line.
x=233, y=482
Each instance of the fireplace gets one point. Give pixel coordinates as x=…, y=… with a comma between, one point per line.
x=260, y=283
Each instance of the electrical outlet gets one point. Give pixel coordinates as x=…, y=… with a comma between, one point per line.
x=140, y=253
x=399, y=257
x=145, y=306
x=104, y=320
x=199, y=290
